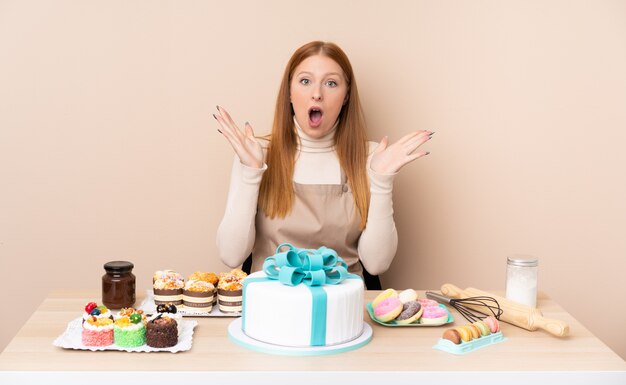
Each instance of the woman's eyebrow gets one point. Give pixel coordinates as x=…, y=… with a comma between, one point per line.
x=311, y=74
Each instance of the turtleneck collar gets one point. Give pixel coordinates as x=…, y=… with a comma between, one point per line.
x=308, y=144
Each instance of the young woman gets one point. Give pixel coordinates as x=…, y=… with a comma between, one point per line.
x=315, y=180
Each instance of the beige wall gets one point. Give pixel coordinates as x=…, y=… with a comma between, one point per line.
x=108, y=150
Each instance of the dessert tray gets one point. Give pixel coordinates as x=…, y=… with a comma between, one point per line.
x=236, y=334
x=71, y=339
x=149, y=307
x=466, y=347
x=370, y=311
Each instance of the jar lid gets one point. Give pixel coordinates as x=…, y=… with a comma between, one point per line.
x=522, y=261
x=118, y=266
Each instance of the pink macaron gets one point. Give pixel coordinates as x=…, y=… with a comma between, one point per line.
x=388, y=309
x=493, y=324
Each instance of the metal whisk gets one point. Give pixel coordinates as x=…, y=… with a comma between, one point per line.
x=472, y=308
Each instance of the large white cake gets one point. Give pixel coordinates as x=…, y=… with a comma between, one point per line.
x=284, y=315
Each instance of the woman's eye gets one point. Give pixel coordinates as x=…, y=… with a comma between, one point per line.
x=331, y=83
x=305, y=81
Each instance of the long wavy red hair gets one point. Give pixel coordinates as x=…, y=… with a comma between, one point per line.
x=276, y=194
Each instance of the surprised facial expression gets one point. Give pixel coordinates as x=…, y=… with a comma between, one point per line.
x=318, y=90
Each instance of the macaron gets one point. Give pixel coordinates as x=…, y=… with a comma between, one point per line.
x=465, y=334
x=389, y=293
x=474, y=330
x=452, y=335
x=411, y=312
x=482, y=326
x=434, y=315
x=408, y=295
x=388, y=309
x=493, y=324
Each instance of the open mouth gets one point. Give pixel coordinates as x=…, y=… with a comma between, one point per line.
x=315, y=116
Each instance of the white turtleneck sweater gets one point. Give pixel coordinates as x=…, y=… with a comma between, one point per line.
x=316, y=163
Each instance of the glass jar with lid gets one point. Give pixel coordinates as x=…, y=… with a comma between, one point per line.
x=521, y=279
x=118, y=285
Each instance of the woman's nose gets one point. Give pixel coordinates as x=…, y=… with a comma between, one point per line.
x=317, y=95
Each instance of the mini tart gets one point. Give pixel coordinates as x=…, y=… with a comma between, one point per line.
x=434, y=315
x=389, y=293
x=411, y=312
x=408, y=295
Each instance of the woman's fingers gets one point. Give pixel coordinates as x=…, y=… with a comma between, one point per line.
x=229, y=122
x=249, y=131
x=417, y=141
x=417, y=155
x=412, y=135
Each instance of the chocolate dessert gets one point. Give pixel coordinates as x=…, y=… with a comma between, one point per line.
x=162, y=332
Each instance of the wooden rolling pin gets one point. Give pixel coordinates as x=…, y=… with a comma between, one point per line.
x=517, y=314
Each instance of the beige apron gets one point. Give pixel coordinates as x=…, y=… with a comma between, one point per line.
x=322, y=215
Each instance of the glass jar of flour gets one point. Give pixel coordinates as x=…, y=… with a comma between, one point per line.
x=521, y=279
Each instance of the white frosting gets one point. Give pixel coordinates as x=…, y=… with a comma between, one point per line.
x=281, y=315
x=89, y=326
x=106, y=314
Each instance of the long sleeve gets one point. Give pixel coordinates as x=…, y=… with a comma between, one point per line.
x=379, y=240
x=236, y=233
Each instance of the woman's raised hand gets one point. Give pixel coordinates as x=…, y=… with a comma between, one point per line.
x=247, y=148
x=389, y=159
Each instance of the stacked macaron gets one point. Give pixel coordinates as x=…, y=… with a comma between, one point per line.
x=405, y=308
x=472, y=331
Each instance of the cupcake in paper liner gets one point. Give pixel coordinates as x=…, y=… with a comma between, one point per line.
x=168, y=275
x=198, y=295
x=210, y=277
x=229, y=291
x=168, y=291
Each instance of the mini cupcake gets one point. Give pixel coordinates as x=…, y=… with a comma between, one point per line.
x=169, y=275
x=130, y=332
x=97, y=331
x=207, y=277
x=229, y=291
x=93, y=310
x=168, y=287
x=198, y=295
x=162, y=332
x=171, y=311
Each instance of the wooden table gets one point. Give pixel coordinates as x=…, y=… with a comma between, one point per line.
x=395, y=355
